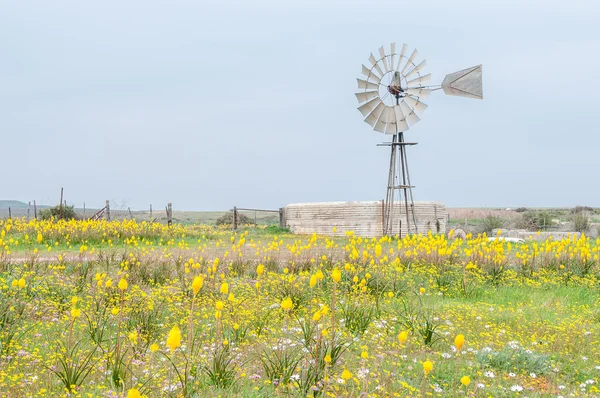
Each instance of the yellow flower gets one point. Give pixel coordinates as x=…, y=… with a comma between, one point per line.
x=336, y=275
x=346, y=374
x=133, y=337
x=133, y=393
x=327, y=358
x=422, y=291
x=317, y=316
x=22, y=283
x=313, y=280
x=154, y=347
x=224, y=288
x=108, y=283
x=114, y=311
x=402, y=337
x=287, y=304
x=364, y=355
x=75, y=313
x=174, y=338
x=219, y=305
x=459, y=341
x=122, y=284
x=378, y=250
x=465, y=380
x=427, y=366
x=197, y=284
x=260, y=269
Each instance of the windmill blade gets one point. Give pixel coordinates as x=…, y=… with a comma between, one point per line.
x=418, y=92
x=374, y=115
x=370, y=75
x=416, y=69
x=393, y=54
x=414, y=103
x=391, y=122
x=367, y=107
x=401, y=124
x=373, y=62
x=465, y=83
x=419, y=81
x=383, y=59
x=380, y=126
x=367, y=85
x=410, y=61
x=386, y=114
x=401, y=56
x=410, y=116
x=366, y=95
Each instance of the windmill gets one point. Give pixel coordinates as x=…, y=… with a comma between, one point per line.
x=390, y=99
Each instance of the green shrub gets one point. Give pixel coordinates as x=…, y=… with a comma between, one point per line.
x=581, y=221
x=491, y=223
x=535, y=220
x=67, y=213
x=227, y=219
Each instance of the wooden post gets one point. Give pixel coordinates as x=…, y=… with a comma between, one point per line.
x=282, y=217
x=151, y=210
x=83, y=209
x=107, y=211
x=60, y=210
x=235, y=218
x=35, y=209
x=130, y=215
x=9, y=214
x=169, y=214
x=254, y=219
x=28, y=210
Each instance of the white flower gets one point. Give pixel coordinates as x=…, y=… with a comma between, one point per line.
x=480, y=385
x=532, y=375
x=489, y=374
x=561, y=387
x=511, y=374
x=590, y=381
x=445, y=355
x=437, y=389
x=516, y=387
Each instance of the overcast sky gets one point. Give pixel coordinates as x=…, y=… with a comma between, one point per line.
x=211, y=104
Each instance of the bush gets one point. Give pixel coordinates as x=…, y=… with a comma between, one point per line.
x=227, y=219
x=521, y=209
x=535, y=220
x=67, y=213
x=491, y=223
x=582, y=209
x=581, y=221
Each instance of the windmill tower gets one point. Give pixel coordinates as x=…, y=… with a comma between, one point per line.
x=390, y=99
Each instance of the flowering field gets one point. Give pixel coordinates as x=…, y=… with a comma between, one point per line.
x=126, y=309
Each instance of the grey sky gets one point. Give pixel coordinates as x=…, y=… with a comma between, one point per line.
x=210, y=104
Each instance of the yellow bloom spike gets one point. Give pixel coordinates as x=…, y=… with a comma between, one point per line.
x=336, y=275
x=174, y=338
x=459, y=341
x=224, y=288
x=122, y=284
x=197, y=284
x=465, y=381
x=427, y=367
x=402, y=337
x=346, y=374
x=134, y=393
x=287, y=304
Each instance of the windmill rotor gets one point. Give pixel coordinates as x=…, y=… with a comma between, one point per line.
x=392, y=91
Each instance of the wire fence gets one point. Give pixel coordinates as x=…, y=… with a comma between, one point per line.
x=234, y=218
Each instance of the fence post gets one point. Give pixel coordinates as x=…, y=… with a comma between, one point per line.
x=83, y=209
x=169, y=214
x=60, y=210
x=9, y=214
x=35, y=209
x=107, y=211
x=28, y=210
x=235, y=218
x=282, y=217
x=150, y=211
x=130, y=215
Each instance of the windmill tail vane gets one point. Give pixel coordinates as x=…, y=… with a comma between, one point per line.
x=392, y=90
